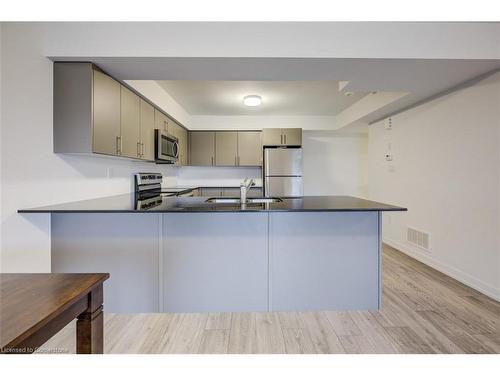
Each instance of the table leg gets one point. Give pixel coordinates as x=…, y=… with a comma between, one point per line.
x=89, y=326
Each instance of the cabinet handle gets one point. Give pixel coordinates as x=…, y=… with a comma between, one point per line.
x=285, y=139
x=118, y=145
x=164, y=125
x=212, y=160
x=142, y=149
x=238, y=159
x=281, y=139
x=235, y=160
x=139, y=149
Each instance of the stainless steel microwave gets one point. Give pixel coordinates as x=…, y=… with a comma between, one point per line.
x=166, y=147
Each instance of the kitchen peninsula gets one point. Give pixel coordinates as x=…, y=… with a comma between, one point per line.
x=184, y=254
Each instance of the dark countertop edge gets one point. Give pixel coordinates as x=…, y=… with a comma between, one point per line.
x=34, y=211
x=59, y=208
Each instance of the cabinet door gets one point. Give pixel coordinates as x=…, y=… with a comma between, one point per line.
x=272, y=137
x=231, y=192
x=174, y=129
x=183, y=145
x=161, y=121
x=202, y=148
x=255, y=192
x=292, y=136
x=211, y=192
x=130, y=123
x=226, y=148
x=147, y=131
x=106, y=116
x=249, y=148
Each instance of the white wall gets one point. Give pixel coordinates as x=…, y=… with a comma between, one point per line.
x=334, y=163
x=199, y=122
x=31, y=174
x=446, y=171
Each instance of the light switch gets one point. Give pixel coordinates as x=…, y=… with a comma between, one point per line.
x=388, y=123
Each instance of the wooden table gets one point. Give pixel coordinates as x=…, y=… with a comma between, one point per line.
x=34, y=307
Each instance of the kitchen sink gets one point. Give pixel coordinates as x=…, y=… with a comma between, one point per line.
x=249, y=200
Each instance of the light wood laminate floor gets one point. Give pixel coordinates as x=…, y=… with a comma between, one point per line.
x=423, y=311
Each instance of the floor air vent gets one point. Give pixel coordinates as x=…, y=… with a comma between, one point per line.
x=418, y=238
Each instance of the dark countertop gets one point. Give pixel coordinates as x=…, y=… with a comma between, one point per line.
x=126, y=203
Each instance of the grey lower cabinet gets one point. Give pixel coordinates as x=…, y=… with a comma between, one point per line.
x=126, y=246
x=202, y=148
x=226, y=148
x=211, y=192
x=324, y=261
x=106, y=134
x=255, y=192
x=231, y=192
x=216, y=261
x=223, y=268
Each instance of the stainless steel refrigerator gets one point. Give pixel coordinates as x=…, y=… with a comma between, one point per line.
x=282, y=172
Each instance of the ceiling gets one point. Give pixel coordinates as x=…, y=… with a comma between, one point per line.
x=421, y=78
x=292, y=98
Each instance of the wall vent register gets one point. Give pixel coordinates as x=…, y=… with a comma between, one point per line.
x=418, y=238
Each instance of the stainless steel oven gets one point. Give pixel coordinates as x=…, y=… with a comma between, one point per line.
x=166, y=147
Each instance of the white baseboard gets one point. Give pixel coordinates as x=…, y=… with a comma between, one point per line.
x=457, y=274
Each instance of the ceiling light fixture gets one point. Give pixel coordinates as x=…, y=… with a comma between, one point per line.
x=252, y=100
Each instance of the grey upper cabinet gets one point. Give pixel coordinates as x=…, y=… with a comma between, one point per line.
x=282, y=137
x=292, y=136
x=94, y=113
x=272, y=137
x=161, y=121
x=106, y=115
x=226, y=148
x=147, y=131
x=130, y=124
x=249, y=148
x=183, y=146
x=202, y=148
x=182, y=136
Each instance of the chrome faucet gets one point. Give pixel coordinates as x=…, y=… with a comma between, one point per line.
x=244, y=187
